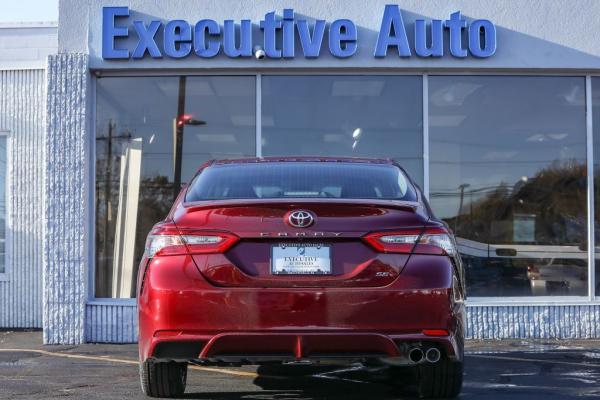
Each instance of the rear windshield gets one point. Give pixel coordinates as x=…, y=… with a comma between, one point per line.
x=279, y=180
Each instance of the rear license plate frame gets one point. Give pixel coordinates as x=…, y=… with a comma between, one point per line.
x=317, y=270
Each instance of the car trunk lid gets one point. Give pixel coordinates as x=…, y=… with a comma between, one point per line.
x=264, y=229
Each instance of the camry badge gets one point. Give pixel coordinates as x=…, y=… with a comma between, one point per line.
x=301, y=219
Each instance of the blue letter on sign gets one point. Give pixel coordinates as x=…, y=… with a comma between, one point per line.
x=244, y=49
x=110, y=32
x=311, y=46
x=392, y=19
x=437, y=39
x=342, y=38
x=455, y=25
x=178, y=32
x=287, y=28
x=206, y=47
x=270, y=26
x=146, y=41
x=489, y=38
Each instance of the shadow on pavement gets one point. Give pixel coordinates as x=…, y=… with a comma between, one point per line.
x=309, y=382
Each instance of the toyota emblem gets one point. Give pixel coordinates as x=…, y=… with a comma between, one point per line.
x=301, y=219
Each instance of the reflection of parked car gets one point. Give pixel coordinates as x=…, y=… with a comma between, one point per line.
x=524, y=269
x=557, y=276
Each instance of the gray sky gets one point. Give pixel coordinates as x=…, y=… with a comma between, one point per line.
x=28, y=10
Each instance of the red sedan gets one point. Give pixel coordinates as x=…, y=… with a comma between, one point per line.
x=293, y=260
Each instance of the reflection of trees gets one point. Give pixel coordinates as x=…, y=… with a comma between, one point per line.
x=107, y=196
x=555, y=197
x=156, y=198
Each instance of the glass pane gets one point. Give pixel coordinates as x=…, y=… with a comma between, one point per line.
x=596, y=123
x=508, y=174
x=357, y=116
x=301, y=179
x=3, y=167
x=152, y=135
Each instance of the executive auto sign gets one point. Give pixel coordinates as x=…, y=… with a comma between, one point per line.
x=207, y=38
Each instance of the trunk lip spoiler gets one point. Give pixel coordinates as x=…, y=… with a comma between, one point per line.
x=303, y=202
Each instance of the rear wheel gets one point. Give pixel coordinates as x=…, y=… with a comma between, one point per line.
x=440, y=380
x=163, y=379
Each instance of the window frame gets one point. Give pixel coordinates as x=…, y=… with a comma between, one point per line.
x=590, y=299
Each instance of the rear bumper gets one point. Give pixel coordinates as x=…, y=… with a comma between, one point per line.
x=264, y=347
x=183, y=317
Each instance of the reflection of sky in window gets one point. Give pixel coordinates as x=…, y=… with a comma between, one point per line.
x=146, y=107
x=361, y=116
x=485, y=131
x=138, y=107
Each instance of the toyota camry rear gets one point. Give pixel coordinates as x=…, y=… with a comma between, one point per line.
x=306, y=260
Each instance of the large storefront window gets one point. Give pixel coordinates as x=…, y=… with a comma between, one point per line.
x=358, y=116
x=508, y=174
x=507, y=159
x=152, y=134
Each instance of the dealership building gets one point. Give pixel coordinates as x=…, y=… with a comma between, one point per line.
x=493, y=107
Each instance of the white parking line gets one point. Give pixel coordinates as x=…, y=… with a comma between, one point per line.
x=127, y=361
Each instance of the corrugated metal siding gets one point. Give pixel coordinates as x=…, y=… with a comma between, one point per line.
x=66, y=199
x=118, y=323
x=533, y=322
x=111, y=323
x=22, y=113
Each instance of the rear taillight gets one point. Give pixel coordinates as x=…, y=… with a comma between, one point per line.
x=430, y=241
x=209, y=242
x=169, y=241
x=164, y=245
x=393, y=242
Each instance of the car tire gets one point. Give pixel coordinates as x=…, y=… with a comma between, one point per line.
x=440, y=380
x=163, y=379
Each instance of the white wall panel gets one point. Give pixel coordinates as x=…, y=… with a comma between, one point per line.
x=111, y=323
x=534, y=322
x=22, y=114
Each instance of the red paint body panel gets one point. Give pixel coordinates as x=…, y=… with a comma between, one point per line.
x=250, y=216
x=177, y=297
x=248, y=265
x=233, y=306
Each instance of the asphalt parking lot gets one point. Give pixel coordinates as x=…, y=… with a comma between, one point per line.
x=494, y=370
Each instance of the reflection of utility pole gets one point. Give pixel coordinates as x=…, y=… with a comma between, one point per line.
x=471, y=209
x=179, y=123
x=460, y=204
x=178, y=138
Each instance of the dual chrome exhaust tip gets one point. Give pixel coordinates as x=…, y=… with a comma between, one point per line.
x=432, y=355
